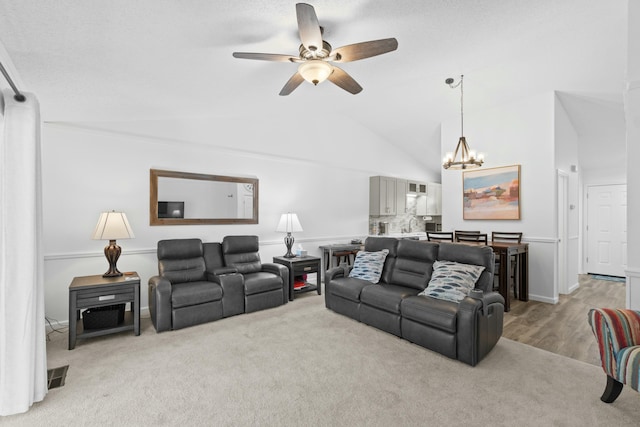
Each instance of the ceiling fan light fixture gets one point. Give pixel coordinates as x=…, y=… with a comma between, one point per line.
x=315, y=71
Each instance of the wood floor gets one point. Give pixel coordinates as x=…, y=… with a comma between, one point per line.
x=563, y=328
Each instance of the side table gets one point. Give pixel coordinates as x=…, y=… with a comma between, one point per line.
x=97, y=291
x=297, y=267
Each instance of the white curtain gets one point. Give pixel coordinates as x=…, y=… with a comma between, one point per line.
x=23, y=358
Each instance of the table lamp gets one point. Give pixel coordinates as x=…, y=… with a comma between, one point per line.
x=288, y=223
x=111, y=226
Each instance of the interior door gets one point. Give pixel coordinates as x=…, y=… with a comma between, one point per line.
x=607, y=229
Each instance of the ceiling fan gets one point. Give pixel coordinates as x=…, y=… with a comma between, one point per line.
x=315, y=55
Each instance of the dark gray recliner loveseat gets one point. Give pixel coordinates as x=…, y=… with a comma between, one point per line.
x=465, y=331
x=201, y=282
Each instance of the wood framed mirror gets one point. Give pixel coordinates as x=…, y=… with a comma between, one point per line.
x=183, y=198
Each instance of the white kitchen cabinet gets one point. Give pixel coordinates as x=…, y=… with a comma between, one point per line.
x=401, y=196
x=417, y=188
x=421, y=205
x=434, y=199
x=383, y=195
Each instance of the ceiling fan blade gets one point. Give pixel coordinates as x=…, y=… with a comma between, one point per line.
x=309, y=27
x=363, y=50
x=292, y=84
x=265, y=56
x=340, y=78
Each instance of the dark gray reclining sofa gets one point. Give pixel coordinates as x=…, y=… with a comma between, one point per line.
x=201, y=282
x=465, y=331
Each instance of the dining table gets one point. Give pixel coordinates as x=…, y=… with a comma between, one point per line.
x=506, y=252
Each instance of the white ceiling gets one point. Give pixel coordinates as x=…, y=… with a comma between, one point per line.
x=123, y=60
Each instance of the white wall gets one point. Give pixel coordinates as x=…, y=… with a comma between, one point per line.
x=323, y=176
x=518, y=133
x=566, y=158
x=632, y=113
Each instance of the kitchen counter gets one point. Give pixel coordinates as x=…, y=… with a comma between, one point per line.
x=416, y=235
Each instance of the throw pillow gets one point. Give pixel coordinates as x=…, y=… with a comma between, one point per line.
x=368, y=265
x=452, y=281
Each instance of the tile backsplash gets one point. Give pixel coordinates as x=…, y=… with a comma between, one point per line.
x=406, y=222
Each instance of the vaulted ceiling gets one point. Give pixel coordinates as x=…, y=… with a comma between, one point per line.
x=123, y=60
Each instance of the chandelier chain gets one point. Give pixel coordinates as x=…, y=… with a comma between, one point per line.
x=461, y=105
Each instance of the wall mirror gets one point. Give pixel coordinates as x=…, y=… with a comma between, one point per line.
x=181, y=198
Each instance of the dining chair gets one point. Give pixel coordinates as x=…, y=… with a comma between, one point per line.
x=439, y=236
x=464, y=233
x=472, y=237
x=508, y=237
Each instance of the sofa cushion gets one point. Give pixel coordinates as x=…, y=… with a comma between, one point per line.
x=242, y=252
x=256, y=283
x=373, y=244
x=193, y=293
x=452, y=281
x=386, y=297
x=432, y=312
x=414, y=264
x=348, y=288
x=368, y=265
x=183, y=270
x=468, y=254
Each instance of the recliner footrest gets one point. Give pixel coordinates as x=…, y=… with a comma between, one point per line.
x=432, y=312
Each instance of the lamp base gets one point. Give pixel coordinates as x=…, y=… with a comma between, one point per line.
x=288, y=241
x=112, y=253
x=110, y=273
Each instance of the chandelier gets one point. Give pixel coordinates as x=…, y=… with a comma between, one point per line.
x=468, y=158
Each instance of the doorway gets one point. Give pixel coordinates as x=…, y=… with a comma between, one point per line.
x=606, y=233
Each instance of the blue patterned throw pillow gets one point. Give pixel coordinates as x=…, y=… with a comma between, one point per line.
x=368, y=265
x=452, y=281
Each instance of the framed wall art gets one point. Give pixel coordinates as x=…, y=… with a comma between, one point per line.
x=491, y=193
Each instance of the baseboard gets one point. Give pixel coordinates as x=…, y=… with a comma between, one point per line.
x=574, y=287
x=543, y=299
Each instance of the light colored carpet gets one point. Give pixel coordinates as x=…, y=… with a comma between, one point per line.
x=301, y=364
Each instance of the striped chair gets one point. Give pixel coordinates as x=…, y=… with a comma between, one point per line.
x=617, y=332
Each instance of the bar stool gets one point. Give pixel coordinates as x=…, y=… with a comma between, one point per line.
x=341, y=256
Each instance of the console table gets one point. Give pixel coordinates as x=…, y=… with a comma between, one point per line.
x=297, y=267
x=97, y=291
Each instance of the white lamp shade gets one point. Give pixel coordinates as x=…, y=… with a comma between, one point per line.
x=315, y=71
x=289, y=223
x=113, y=226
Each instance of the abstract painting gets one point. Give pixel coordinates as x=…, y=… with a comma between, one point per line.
x=491, y=193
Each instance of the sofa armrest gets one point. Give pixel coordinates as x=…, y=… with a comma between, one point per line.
x=232, y=285
x=486, y=299
x=160, y=303
x=283, y=272
x=278, y=269
x=223, y=270
x=335, y=273
x=480, y=321
x=614, y=330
